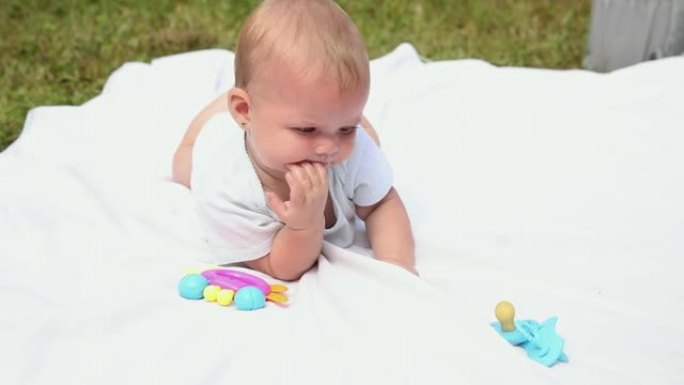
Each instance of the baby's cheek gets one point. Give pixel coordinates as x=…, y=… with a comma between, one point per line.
x=270, y=157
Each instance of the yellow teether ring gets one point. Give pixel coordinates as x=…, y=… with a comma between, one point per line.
x=225, y=297
x=505, y=313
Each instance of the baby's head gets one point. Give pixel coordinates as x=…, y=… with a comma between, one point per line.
x=301, y=81
x=316, y=38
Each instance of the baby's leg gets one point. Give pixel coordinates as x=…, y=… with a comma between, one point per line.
x=182, y=165
x=182, y=158
x=370, y=130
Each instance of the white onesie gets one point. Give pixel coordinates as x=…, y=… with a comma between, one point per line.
x=237, y=221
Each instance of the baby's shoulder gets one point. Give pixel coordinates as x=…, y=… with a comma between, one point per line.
x=361, y=156
x=221, y=167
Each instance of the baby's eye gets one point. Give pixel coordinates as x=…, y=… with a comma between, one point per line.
x=305, y=130
x=348, y=130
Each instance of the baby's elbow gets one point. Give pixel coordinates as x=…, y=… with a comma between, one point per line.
x=265, y=266
x=288, y=274
x=288, y=277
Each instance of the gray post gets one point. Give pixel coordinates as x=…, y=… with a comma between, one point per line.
x=626, y=32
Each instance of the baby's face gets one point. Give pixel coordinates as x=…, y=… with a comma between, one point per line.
x=295, y=120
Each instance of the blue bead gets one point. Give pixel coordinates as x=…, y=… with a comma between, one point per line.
x=192, y=286
x=249, y=298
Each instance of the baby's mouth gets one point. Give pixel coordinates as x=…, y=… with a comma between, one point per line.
x=324, y=163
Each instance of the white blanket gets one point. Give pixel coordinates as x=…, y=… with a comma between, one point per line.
x=559, y=191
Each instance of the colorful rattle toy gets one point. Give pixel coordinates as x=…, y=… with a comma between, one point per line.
x=224, y=286
x=541, y=341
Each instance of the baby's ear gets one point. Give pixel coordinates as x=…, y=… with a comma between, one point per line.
x=239, y=105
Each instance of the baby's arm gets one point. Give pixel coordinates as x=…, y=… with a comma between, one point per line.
x=389, y=231
x=297, y=245
x=182, y=158
x=293, y=253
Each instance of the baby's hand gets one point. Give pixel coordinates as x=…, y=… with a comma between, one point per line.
x=308, y=194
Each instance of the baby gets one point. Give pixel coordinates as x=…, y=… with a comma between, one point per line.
x=300, y=170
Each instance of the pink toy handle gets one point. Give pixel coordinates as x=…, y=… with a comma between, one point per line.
x=235, y=280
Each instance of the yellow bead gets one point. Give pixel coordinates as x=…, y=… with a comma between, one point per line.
x=505, y=313
x=210, y=292
x=225, y=297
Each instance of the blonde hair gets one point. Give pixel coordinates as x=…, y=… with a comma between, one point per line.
x=315, y=37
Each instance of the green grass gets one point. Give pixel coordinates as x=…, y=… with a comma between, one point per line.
x=61, y=52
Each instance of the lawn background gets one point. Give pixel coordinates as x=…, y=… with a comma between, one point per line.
x=61, y=52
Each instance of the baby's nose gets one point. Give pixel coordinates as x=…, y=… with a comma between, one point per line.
x=327, y=146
